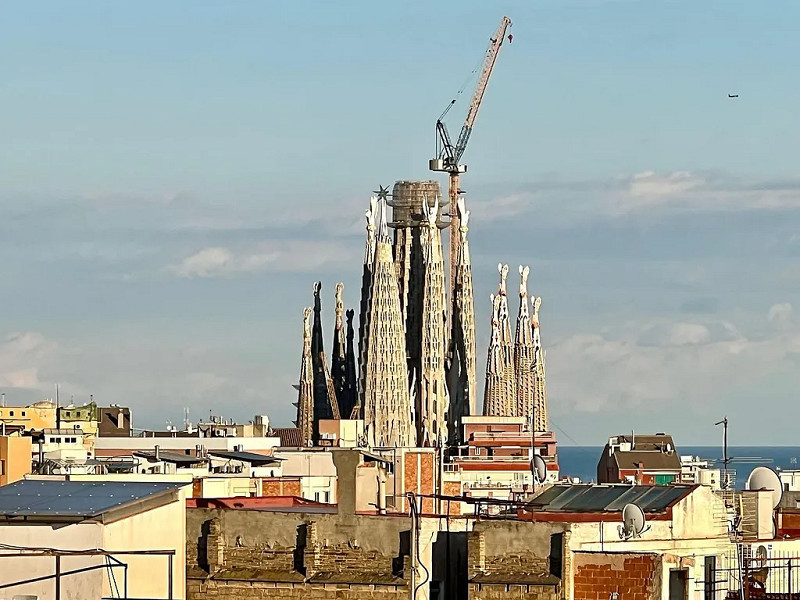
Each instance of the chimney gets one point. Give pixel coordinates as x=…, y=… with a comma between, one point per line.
x=198, y=450
x=157, y=452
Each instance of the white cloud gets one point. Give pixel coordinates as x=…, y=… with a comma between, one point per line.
x=659, y=365
x=780, y=313
x=22, y=357
x=290, y=256
x=651, y=184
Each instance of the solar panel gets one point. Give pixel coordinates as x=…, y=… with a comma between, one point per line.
x=73, y=498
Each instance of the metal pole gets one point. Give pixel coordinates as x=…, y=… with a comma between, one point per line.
x=58, y=577
x=169, y=577
x=125, y=580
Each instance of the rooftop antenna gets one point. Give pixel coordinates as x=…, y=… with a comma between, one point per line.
x=633, y=522
x=4, y=399
x=725, y=458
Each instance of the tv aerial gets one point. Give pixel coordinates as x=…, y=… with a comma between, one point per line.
x=764, y=478
x=633, y=522
x=539, y=469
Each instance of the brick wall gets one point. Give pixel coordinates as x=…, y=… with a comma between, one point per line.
x=281, y=486
x=632, y=576
x=261, y=590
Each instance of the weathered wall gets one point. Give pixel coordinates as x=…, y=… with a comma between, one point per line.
x=281, y=486
x=516, y=560
x=244, y=554
x=630, y=575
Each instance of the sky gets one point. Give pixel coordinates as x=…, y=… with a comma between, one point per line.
x=174, y=176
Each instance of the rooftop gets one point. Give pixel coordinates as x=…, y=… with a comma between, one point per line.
x=248, y=457
x=170, y=457
x=74, y=499
x=593, y=498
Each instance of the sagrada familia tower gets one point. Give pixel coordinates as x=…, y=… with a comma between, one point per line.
x=415, y=379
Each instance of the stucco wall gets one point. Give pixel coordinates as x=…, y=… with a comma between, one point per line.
x=162, y=528
x=81, y=536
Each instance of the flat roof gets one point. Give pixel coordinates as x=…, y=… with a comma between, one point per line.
x=74, y=499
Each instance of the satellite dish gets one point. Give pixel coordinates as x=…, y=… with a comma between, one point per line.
x=633, y=522
x=764, y=478
x=539, y=469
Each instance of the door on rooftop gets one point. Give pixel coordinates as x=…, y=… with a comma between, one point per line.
x=678, y=584
x=664, y=479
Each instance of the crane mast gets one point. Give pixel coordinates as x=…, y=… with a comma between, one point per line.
x=449, y=154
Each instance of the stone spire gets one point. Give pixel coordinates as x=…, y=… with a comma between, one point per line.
x=323, y=396
x=462, y=340
x=387, y=403
x=500, y=393
x=338, y=359
x=540, y=387
x=431, y=398
x=305, y=399
x=366, y=293
x=524, y=352
x=350, y=393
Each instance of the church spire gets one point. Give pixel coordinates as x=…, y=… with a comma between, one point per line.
x=524, y=352
x=322, y=386
x=350, y=392
x=540, y=387
x=366, y=293
x=432, y=399
x=387, y=403
x=338, y=359
x=305, y=387
x=500, y=392
x=462, y=353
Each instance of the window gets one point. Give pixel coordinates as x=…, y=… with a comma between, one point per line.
x=11, y=413
x=23, y=413
x=710, y=586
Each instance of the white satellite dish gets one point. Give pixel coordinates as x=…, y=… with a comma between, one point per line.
x=539, y=469
x=633, y=522
x=764, y=478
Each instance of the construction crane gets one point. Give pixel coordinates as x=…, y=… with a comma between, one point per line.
x=448, y=155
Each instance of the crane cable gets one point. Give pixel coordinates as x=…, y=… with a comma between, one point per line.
x=467, y=81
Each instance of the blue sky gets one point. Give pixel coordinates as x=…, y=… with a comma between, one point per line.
x=174, y=176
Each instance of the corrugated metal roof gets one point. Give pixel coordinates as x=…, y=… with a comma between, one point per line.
x=78, y=499
x=608, y=498
x=248, y=457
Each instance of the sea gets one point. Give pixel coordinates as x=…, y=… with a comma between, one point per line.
x=581, y=461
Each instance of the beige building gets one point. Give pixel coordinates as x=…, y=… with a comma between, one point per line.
x=141, y=525
x=15, y=458
x=38, y=416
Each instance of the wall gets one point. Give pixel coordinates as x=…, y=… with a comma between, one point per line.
x=122, y=446
x=243, y=554
x=38, y=416
x=281, y=486
x=697, y=528
x=633, y=576
x=15, y=458
x=81, y=536
x=161, y=528
x=516, y=560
